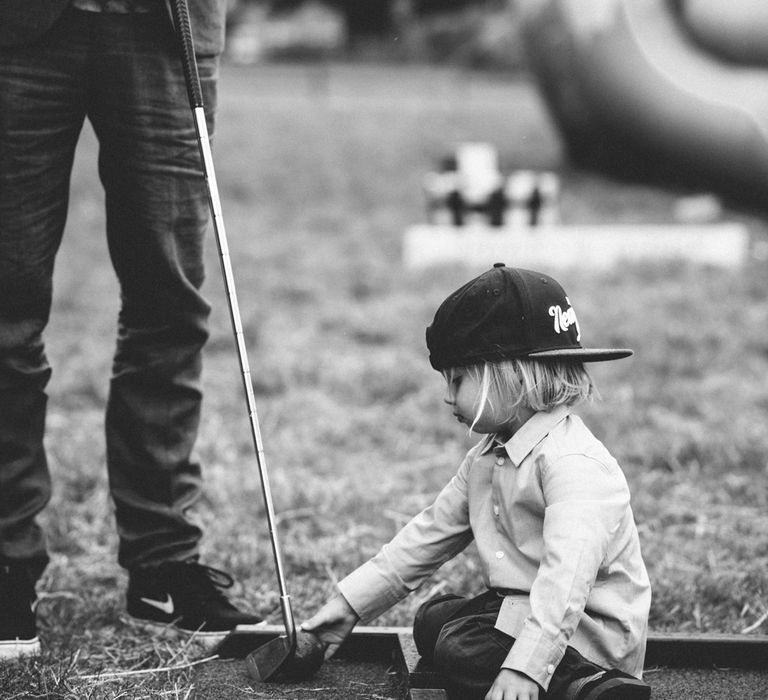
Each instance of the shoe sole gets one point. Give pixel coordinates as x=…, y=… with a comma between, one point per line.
x=164, y=629
x=19, y=648
x=171, y=631
x=620, y=689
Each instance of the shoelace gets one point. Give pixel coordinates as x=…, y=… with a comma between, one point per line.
x=203, y=583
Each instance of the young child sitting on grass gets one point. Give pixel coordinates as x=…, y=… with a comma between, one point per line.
x=565, y=612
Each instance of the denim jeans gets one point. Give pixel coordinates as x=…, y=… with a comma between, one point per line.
x=458, y=635
x=123, y=73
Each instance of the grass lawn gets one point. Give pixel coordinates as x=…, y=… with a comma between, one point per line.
x=320, y=172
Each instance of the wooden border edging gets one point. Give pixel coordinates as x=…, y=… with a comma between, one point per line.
x=705, y=651
x=424, y=683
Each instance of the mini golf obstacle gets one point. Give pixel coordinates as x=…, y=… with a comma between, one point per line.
x=657, y=89
x=476, y=214
x=382, y=663
x=598, y=247
x=469, y=185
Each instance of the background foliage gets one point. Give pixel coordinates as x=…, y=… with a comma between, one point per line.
x=479, y=34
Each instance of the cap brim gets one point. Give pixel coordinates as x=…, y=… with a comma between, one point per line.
x=584, y=354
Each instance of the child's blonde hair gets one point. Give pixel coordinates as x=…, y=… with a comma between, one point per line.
x=526, y=383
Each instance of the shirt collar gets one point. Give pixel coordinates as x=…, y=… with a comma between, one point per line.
x=530, y=434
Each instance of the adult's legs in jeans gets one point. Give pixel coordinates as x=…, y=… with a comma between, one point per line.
x=41, y=115
x=157, y=214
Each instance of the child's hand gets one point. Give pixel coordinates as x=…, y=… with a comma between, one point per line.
x=332, y=623
x=511, y=685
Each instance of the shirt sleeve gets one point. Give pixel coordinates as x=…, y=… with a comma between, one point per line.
x=431, y=538
x=585, y=501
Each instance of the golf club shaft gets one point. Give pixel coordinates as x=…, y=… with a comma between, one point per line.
x=181, y=17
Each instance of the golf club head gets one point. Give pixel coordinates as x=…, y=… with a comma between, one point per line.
x=277, y=658
x=265, y=661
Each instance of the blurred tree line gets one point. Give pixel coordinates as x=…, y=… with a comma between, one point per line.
x=367, y=18
x=479, y=33
x=364, y=18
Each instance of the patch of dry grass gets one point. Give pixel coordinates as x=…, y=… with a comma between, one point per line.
x=318, y=185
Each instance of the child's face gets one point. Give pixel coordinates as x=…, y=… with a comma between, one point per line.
x=462, y=395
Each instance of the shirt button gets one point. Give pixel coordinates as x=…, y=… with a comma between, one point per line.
x=499, y=555
x=500, y=461
x=496, y=510
x=550, y=669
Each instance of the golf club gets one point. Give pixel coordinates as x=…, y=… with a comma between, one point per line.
x=280, y=654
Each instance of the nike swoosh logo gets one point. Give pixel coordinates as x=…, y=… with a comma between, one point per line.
x=165, y=606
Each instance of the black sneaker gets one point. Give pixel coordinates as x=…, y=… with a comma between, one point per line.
x=18, y=602
x=609, y=685
x=185, y=597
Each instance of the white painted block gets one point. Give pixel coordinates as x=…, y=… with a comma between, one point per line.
x=586, y=246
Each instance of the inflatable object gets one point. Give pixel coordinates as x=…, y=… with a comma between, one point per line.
x=736, y=31
x=658, y=89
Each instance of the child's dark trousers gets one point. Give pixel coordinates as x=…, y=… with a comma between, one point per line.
x=458, y=635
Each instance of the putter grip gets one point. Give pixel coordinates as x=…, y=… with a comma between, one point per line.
x=184, y=31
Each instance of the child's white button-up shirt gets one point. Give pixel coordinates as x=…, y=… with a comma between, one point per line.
x=549, y=511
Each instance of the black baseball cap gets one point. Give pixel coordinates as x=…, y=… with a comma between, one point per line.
x=509, y=313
